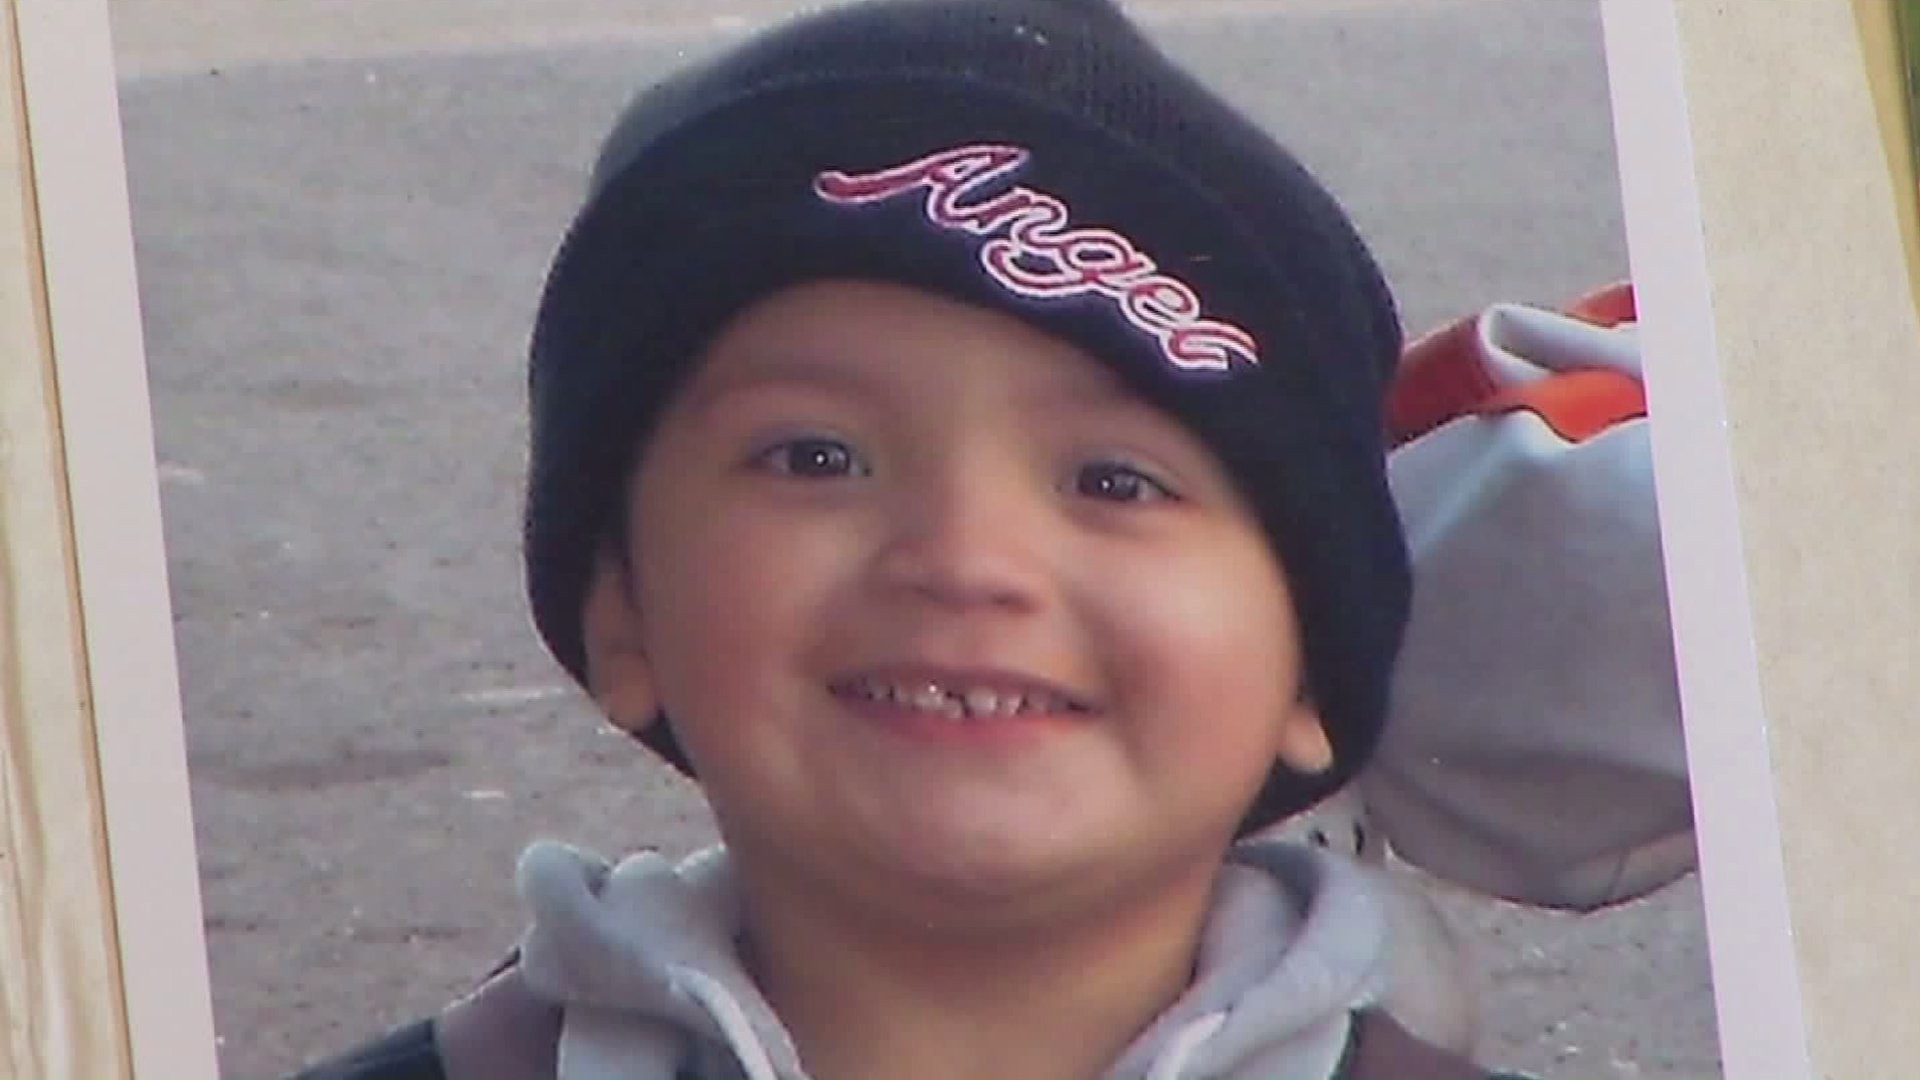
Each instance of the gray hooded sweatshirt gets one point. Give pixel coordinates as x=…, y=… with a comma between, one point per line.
x=631, y=972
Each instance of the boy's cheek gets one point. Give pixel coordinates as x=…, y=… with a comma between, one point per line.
x=739, y=594
x=1207, y=609
x=717, y=539
x=1205, y=651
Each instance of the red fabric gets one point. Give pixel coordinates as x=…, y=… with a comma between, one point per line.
x=1609, y=305
x=1441, y=379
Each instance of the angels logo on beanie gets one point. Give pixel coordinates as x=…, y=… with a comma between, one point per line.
x=1040, y=256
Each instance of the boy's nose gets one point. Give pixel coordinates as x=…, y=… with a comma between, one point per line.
x=966, y=544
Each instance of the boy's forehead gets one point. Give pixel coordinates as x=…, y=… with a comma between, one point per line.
x=864, y=338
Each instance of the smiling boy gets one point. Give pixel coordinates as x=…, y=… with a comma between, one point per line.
x=957, y=442
x=933, y=603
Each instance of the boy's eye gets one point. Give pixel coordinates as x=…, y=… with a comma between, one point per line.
x=1118, y=483
x=812, y=458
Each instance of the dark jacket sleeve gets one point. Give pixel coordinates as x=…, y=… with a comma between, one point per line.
x=408, y=1053
x=1383, y=1050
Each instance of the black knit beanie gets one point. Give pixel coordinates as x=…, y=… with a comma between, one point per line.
x=1038, y=157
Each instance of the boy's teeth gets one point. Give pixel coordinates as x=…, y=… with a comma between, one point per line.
x=974, y=703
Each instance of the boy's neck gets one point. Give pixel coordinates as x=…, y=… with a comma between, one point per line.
x=1063, y=1001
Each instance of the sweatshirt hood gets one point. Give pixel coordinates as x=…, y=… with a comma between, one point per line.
x=640, y=963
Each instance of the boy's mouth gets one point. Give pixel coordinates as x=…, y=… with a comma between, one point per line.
x=959, y=697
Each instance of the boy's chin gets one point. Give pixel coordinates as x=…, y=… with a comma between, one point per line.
x=981, y=856
x=1000, y=885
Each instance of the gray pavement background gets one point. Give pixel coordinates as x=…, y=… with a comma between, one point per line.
x=343, y=211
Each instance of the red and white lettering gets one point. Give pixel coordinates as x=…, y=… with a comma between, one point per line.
x=1033, y=250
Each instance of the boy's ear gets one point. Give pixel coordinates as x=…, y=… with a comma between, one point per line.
x=618, y=675
x=1304, y=745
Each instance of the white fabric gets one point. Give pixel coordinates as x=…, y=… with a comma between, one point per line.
x=1521, y=344
x=639, y=962
x=1535, y=749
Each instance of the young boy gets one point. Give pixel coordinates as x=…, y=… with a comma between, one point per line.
x=957, y=442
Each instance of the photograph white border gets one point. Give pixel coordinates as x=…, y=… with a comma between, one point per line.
x=1782, y=348
x=1743, y=884
x=101, y=409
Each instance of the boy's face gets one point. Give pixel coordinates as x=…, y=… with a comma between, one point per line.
x=876, y=522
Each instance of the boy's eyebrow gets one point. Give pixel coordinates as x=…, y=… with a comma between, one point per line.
x=779, y=373
x=1107, y=394
x=794, y=372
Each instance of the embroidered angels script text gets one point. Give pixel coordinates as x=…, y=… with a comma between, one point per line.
x=1034, y=250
